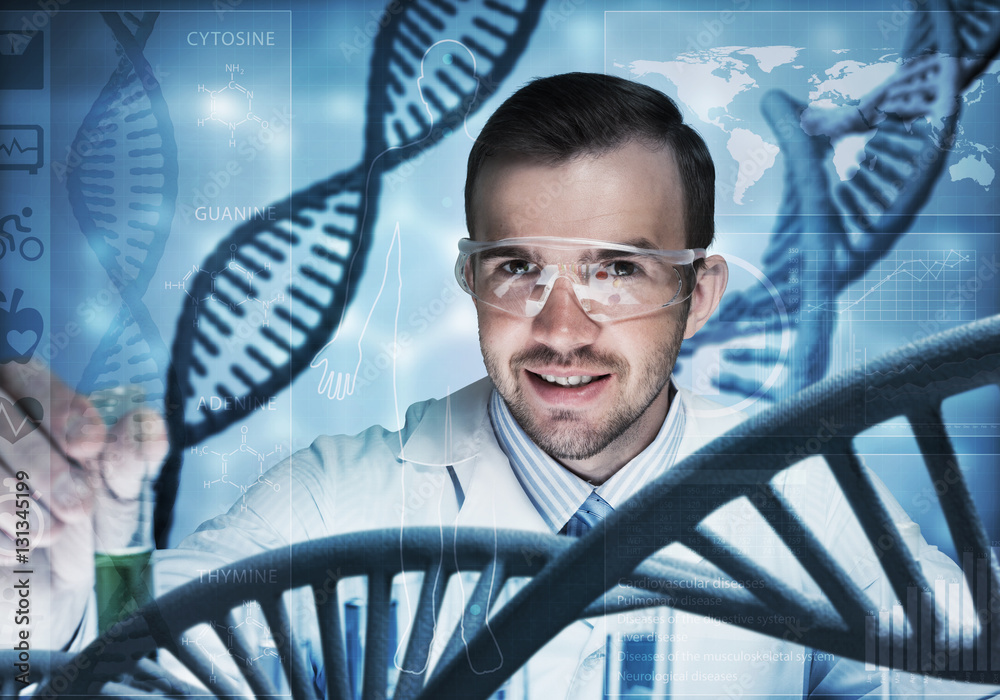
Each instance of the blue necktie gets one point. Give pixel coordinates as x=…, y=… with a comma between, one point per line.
x=594, y=510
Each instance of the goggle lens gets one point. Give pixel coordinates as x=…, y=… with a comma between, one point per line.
x=610, y=284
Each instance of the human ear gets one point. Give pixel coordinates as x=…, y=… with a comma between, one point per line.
x=711, y=283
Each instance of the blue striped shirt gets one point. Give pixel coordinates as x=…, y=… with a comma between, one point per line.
x=555, y=491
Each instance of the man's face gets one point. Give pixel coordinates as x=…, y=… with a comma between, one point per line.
x=632, y=195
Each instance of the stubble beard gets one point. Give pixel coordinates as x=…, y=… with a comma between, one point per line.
x=564, y=433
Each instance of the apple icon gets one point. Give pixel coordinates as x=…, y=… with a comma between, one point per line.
x=20, y=331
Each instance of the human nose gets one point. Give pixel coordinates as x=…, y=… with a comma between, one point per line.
x=562, y=324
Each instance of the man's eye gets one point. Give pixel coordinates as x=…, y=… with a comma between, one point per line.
x=622, y=268
x=517, y=267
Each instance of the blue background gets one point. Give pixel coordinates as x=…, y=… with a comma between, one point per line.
x=312, y=87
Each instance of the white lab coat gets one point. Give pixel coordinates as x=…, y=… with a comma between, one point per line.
x=387, y=479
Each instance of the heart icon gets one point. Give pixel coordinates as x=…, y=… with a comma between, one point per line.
x=22, y=342
x=19, y=418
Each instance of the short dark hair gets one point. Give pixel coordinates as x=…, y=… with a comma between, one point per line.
x=551, y=120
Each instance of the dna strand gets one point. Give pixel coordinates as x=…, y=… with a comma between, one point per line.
x=608, y=572
x=910, y=382
x=914, y=117
x=324, y=231
x=122, y=188
x=122, y=191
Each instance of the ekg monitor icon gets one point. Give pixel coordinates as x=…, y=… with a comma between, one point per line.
x=21, y=147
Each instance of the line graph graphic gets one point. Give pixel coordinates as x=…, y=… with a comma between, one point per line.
x=15, y=145
x=21, y=147
x=904, y=285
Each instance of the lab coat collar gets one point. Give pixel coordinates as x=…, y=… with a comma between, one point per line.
x=449, y=431
x=456, y=431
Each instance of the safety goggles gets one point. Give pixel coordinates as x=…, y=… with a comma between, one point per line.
x=612, y=281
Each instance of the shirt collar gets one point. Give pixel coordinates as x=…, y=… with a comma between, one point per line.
x=555, y=491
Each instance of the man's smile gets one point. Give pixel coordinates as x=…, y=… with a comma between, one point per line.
x=572, y=387
x=573, y=380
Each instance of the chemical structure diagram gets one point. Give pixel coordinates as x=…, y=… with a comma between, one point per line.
x=226, y=104
x=253, y=632
x=264, y=462
x=233, y=286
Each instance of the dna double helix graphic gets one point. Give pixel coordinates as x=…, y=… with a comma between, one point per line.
x=914, y=116
x=325, y=231
x=123, y=192
x=122, y=189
